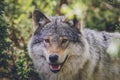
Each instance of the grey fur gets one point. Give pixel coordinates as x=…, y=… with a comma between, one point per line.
x=88, y=58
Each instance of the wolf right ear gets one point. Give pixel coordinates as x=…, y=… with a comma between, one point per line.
x=78, y=24
x=75, y=23
x=39, y=19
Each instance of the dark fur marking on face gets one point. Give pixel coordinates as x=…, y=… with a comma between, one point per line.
x=59, y=29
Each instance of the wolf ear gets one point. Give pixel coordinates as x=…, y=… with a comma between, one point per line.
x=39, y=19
x=77, y=24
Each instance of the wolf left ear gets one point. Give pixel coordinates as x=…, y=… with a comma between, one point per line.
x=77, y=24
x=39, y=19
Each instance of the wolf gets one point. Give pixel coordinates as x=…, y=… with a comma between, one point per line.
x=62, y=49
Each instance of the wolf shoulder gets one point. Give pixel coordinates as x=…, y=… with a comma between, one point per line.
x=110, y=42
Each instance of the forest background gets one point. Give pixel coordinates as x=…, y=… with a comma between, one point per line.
x=16, y=28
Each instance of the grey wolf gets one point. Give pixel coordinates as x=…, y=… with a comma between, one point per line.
x=62, y=50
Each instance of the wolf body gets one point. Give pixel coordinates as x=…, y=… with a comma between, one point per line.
x=62, y=50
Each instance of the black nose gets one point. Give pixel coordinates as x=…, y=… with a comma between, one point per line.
x=53, y=58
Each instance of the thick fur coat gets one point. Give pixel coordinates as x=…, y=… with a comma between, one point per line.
x=86, y=50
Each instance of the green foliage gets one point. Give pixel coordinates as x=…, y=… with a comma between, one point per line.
x=16, y=28
x=78, y=9
x=3, y=43
x=14, y=62
x=100, y=15
x=103, y=16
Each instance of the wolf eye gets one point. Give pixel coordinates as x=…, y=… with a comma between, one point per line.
x=47, y=40
x=64, y=40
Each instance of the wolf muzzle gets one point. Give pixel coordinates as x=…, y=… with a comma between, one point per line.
x=54, y=65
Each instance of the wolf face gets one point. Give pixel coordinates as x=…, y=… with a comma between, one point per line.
x=53, y=40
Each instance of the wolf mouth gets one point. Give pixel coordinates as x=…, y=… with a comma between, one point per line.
x=55, y=67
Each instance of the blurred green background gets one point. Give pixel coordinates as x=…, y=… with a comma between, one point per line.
x=16, y=28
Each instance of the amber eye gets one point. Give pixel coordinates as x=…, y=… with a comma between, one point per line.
x=47, y=40
x=64, y=41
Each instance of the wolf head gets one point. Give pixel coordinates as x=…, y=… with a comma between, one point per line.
x=55, y=40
